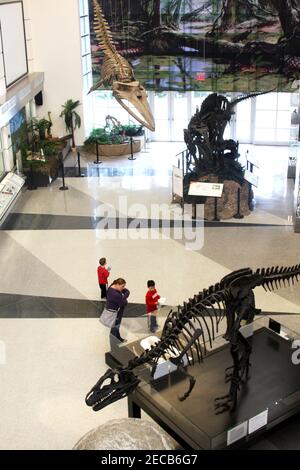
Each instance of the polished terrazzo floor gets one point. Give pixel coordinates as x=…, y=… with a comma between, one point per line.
x=49, y=298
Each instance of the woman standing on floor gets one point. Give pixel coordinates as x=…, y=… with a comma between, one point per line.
x=117, y=296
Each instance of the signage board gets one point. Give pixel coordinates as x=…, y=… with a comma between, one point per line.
x=206, y=189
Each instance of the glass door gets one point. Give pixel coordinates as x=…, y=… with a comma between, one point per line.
x=162, y=116
x=273, y=118
x=180, y=115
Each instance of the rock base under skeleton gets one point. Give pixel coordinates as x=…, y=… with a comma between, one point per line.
x=227, y=205
x=126, y=434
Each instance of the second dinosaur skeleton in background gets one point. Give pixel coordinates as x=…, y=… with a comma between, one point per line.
x=118, y=74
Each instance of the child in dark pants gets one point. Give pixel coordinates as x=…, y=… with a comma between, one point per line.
x=152, y=299
x=103, y=275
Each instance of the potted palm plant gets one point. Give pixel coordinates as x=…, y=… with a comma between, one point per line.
x=71, y=117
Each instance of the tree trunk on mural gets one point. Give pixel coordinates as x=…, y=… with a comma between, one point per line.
x=171, y=13
x=152, y=12
x=289, y=16
x=227, y=18
x=287, y=12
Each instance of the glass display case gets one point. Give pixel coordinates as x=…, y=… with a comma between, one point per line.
x=10, y=188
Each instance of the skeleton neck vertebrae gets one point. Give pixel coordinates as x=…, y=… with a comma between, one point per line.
x=118, y=74
x=190, y=331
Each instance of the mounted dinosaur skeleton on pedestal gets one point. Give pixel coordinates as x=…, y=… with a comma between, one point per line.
x=118, y=74
x=189, y=329
x=208, y=151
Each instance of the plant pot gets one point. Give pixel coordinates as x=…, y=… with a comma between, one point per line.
x=118, y=150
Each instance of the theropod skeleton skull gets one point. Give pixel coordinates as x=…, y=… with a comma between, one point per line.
x=118, y=74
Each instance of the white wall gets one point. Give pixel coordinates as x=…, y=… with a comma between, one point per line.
x=53, y=31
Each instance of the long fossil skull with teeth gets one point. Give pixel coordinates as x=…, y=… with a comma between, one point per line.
x=118, y=74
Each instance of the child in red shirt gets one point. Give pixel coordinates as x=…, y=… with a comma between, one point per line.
x=103, y=275
x=152, y=299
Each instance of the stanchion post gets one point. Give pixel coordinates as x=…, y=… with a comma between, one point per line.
x=238, y=215
x=80, y=175
x=216, y=218
x=250, y=199
x=131, y=149
x=63, y=187
x=97, y=162
x=194, y=211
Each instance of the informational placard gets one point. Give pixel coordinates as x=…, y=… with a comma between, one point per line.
x=10, y=187
x=251, y=178
x=177, y=181
x=237, y=433
x=198, y=188
x=251, y=159
x=258, y=421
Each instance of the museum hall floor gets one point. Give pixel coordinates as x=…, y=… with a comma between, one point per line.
x=51, y=341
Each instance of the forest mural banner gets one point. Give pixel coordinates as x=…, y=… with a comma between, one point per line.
x=216, y=45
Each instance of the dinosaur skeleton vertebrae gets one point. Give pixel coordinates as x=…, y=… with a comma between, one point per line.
x=191, y=330
x=118, y=74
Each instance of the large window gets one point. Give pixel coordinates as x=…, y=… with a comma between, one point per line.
x=273, y=118
x=265, y=119
x=85, y=45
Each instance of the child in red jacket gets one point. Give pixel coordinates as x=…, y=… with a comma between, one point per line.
x=103, y=275
x=152, y=299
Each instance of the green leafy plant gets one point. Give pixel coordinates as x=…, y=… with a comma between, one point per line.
x=104, y=136
x=41, y=126
x=71, y=117
x=132, y=130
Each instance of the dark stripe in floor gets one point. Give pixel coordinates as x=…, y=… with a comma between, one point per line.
x=96, y=171
x=18, y=221
x=25, y=306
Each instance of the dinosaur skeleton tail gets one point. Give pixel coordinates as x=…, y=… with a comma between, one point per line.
x=247, y=97
x=277, y=277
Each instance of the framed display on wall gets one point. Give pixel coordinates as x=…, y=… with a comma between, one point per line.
x=13, y=41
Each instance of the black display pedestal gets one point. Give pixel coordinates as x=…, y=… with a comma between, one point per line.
x=273, y=388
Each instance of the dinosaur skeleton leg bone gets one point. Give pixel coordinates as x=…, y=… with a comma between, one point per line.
x=229, y=401
x=178, y=362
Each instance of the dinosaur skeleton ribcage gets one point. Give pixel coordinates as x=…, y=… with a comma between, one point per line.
x=203, y=313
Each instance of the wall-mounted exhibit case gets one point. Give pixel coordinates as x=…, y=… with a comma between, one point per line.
x=10, y=188
x=13, y=41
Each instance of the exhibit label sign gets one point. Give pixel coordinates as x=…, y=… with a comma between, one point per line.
x=237, y=433
x=177, y=181
x=206, y=189
x=251, y=178
x=258, y=421
x=252, y=160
